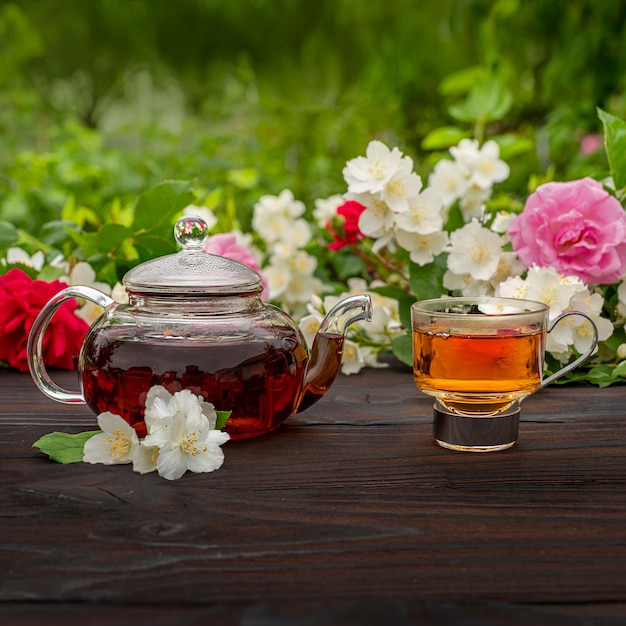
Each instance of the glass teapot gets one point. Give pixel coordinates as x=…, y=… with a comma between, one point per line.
x=196, y=321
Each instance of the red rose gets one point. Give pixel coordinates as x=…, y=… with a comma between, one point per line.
x=21, y=300
x=350, y=211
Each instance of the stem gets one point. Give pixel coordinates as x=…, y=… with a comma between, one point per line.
x=369, y=256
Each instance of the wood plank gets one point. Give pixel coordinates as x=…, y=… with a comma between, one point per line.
x=348, y=502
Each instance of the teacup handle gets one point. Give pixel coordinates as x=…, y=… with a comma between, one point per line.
x=34, y=349
x=574, y=364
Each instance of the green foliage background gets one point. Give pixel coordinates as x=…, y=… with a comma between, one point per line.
x=102, y=99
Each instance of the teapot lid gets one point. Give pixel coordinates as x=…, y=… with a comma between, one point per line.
x=192, y=271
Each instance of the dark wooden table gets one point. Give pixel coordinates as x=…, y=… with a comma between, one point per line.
x=348, y=514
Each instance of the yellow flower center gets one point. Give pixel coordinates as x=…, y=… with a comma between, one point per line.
x=119, y=444
x=418, y=212
x=486, y=166
x=549, y=296
x=480, y=253
x=396, y=188
x=188, y=444
x=377, y=168
x=585, y=330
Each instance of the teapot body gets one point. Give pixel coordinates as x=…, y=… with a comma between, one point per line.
x=196, y=321
x=249, y=359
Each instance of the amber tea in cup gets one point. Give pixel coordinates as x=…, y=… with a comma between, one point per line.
x=479, y=357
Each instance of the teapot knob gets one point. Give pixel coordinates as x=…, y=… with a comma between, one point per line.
x=191, y=232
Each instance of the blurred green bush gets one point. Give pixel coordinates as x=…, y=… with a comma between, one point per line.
x=101, y=99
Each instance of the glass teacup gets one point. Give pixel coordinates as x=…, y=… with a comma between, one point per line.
x=480, y=357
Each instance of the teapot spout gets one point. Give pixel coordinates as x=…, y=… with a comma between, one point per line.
x=327, y=350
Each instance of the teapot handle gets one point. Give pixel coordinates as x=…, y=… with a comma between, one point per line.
x=35, y=341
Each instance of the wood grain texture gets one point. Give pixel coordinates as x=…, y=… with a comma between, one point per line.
x=347, y=505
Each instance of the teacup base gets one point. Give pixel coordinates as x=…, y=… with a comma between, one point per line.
x=475, y=434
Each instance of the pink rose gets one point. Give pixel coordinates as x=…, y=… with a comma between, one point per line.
x=22, y=298
x=225, y=244
x=591, y=143
x=575, y=227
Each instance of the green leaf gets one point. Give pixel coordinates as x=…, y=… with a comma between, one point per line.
x=619, y=372
x=31, y=271
x=427, y=281
x=444, y=137
x=111, y=236
x=8, y=235
x=56, y=232
x=513, y=145
x=486, y=102
x=151, y=246
x=615, y=144
x=158, y=205
x=64, y=448
x=222, y=418
x=402, y=348
x=49, y=273
x=346, y=264
x=600, y=375
x=246, y=178
x=88, y=242
x=80, y=215
x=461, y=82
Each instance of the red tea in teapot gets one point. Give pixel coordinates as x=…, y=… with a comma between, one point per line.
x=257, y=379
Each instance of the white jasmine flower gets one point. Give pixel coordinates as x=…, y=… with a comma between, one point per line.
x=449, y=179
x=19, y=256
x=272, y=227
x=401, y=186
x=182, y=426
x=370, y=358
x=474, y=250
x=117, y=444
x=513, y=287
x=465, y=152
x=278, y=275
x=284, y=203
x=508, y=267
x=59, y=262
x=325, y=209
x=290, y=279
x=487, y=167
x=562, y=294
x=83, y=274
x=376, y=220
x=544, y=284
x=275, y=216
x=472, y=203
x=301, y=288
x=315, y=305
x=299, y=232
x=423, y=248
x=119, y=293
x=372, y=172
x=385, y=322
x=353, y=360
x=423, y=215
x=501, y=223
x=309, y=325
x=591, y=305
x=466, y=284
